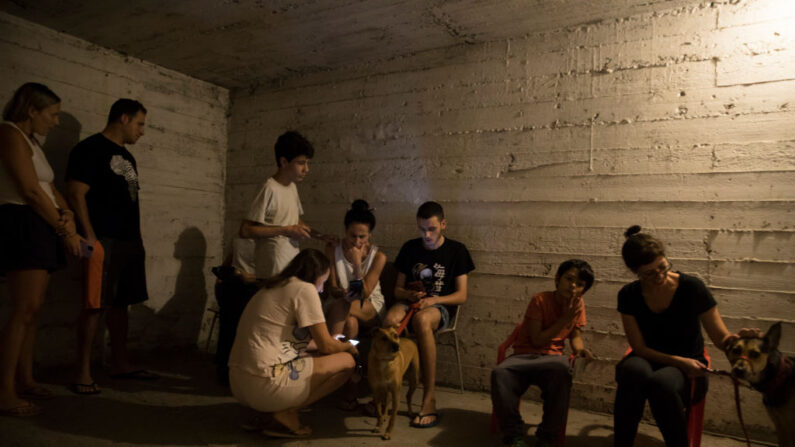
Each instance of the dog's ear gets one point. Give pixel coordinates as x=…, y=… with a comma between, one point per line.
x=374, y=331
x=771, y=338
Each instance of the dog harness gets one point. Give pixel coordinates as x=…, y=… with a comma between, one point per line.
x=771, y=396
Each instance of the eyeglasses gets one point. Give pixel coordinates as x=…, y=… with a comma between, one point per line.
x=662, y=269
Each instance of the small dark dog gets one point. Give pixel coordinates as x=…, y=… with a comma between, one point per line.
x=390, y=358
x=759, y=362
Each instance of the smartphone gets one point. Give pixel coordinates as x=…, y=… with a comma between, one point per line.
x=314, y=234
x=86, y=249
x=354, y=291
x=345, y=339
x=355, y=286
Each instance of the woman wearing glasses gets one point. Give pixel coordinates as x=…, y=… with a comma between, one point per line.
x=662, y=312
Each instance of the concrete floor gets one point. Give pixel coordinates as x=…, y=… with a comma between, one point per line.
x=187, y=408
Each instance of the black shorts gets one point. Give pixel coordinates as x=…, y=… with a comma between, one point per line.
x=27, y=241
x=123, y=272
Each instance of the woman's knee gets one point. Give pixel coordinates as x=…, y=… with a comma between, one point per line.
x=27, y=311
x=352, y=322
x=633, y=370
x=393, y=317
x=663, y=385
x=346, y=361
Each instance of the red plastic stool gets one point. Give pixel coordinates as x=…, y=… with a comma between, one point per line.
x=695, y=412
x=501, y=350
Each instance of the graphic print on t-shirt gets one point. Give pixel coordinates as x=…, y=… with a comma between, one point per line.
x=289, y=354
x=432, y=278
x=124, y=168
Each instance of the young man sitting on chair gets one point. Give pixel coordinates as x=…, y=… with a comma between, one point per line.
x=432, y=271
x=550, y=319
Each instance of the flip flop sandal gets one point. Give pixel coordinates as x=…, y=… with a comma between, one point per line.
x=278, y=430
x=84, y=389
x=433, y=423
x=22, y=411
x=37, y=393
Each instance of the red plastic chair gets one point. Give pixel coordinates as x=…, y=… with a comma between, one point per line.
x=501, y=350
x=695, y=412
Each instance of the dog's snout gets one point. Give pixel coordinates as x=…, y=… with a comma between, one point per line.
x=739, y=371
x=395, y=347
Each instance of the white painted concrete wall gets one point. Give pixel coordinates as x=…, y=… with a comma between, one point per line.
x=546, y=148
x=181, y=163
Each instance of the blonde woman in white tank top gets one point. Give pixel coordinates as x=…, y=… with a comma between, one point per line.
x=354, y=258
x=35, y=225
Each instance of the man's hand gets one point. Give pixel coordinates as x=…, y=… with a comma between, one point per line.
x=298, y=232
x=415, y=295
x=425, y=302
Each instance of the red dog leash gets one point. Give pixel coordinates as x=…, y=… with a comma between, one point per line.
x=412, y=310
x=736, y=400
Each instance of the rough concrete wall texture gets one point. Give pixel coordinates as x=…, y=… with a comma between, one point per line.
x=547, y=147
x=181, y=163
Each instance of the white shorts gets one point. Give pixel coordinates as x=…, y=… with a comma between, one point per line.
x=379, y=304
x=288, y=388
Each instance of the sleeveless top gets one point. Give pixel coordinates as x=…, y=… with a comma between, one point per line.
x=345, y=270
x=8, y=189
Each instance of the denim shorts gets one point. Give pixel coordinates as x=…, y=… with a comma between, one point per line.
x=444, y=322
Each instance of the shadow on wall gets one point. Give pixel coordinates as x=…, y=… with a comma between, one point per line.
x=178, y=322
x=59, y=143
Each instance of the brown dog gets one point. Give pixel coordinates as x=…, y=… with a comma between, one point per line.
x=390, y=357
x=759, y=362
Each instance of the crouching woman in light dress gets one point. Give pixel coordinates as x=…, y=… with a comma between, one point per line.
x=269, y=368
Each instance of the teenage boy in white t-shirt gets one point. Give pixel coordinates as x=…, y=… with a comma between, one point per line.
x=274, y=219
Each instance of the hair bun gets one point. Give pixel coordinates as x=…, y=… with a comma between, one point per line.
x=360, y=205
x=635, y=229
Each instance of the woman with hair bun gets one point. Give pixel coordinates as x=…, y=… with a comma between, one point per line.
x=355, y=271
x=662, y=312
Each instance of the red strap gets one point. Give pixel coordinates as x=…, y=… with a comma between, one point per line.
x=412, y=309
x=739, y=411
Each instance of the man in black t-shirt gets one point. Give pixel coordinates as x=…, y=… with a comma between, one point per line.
x=432, y=270
x=102, y=188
